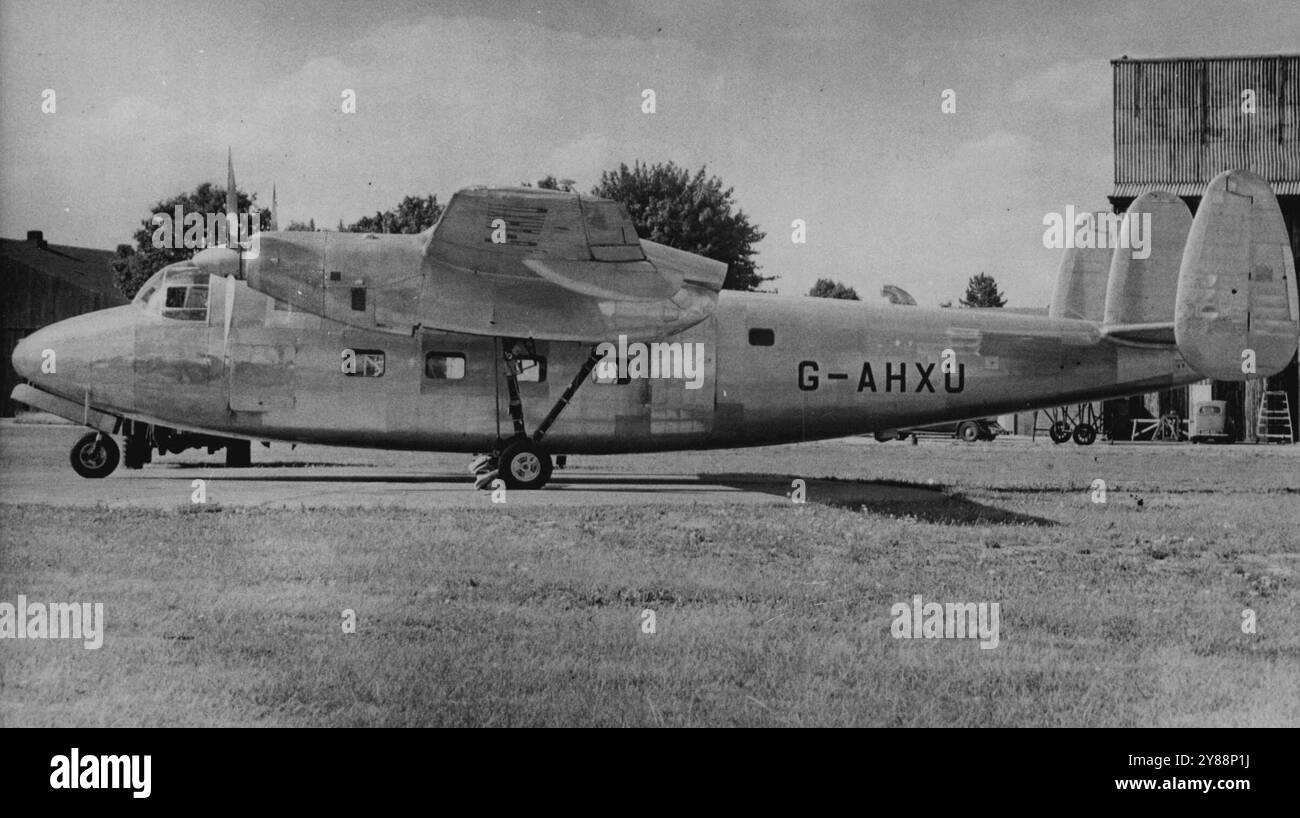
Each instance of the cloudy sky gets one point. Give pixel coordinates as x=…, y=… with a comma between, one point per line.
x=827, y=112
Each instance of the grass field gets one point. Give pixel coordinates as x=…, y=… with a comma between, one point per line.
x=1124, y=613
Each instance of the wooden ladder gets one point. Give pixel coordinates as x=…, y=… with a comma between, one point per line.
x=1274, y=422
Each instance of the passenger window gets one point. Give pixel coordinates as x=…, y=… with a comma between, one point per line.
x=363, y=363
x=761, y=337
x=531, y=370
x=444, y=366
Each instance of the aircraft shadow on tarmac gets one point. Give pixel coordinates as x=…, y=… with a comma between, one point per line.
x=931, y=504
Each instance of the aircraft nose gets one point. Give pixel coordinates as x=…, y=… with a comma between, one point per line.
x=27, y=356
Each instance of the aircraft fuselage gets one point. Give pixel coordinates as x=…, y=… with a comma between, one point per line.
x=774, y=370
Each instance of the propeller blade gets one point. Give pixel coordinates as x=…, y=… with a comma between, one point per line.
x=230, y=312
x=232, y=200
x=232, y=211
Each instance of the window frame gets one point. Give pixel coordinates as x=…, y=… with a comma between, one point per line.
x=449, y=355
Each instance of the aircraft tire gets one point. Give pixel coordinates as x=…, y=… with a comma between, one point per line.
x=884, y=437
x=1060, y=432
x=95, y=455
x=1085, y=434
x=968, y=432
x=524, y=466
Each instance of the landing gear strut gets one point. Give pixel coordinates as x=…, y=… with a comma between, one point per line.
x=139, y=448
x=239, y=454
x=522, y=461
x=95, y=455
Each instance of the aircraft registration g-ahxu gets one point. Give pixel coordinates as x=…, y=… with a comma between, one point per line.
x=528, y=324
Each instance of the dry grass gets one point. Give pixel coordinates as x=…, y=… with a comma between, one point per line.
x=1114, y=614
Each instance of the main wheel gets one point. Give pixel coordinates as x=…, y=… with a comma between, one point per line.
x=1060, y=432
x=968, y=432
x=884, y=437
x=524, y=466
x=1085, y=434
x=95, y=455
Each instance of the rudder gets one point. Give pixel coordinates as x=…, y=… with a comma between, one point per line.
x=1236, y=314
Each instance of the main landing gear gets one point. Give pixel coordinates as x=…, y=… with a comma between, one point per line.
x=521, y=461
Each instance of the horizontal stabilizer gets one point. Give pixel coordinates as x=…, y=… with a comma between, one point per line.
x=1236, y=315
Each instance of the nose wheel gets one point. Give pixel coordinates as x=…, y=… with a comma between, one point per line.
x=95, y=455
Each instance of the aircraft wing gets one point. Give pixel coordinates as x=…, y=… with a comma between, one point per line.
x=514, y=262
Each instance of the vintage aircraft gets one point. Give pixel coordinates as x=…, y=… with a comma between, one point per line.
x=528, y=324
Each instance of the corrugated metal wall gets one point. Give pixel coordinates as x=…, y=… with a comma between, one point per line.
x=1182, y=120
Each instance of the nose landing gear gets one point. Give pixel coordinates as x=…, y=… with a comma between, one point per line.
x=95, y=455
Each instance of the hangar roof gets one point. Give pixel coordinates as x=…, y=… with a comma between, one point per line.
x=81, y=266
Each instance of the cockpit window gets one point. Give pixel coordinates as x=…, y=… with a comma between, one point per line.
x=177, y=291
x=150, y=287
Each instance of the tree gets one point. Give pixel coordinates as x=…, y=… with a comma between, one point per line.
x=132, y=267
x=309, y=227
x=413, y=215
x=549, y=183
x=825, y=288
x=982, y=291
x=693, y=213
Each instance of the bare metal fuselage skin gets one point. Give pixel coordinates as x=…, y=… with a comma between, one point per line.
x=834, y=368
